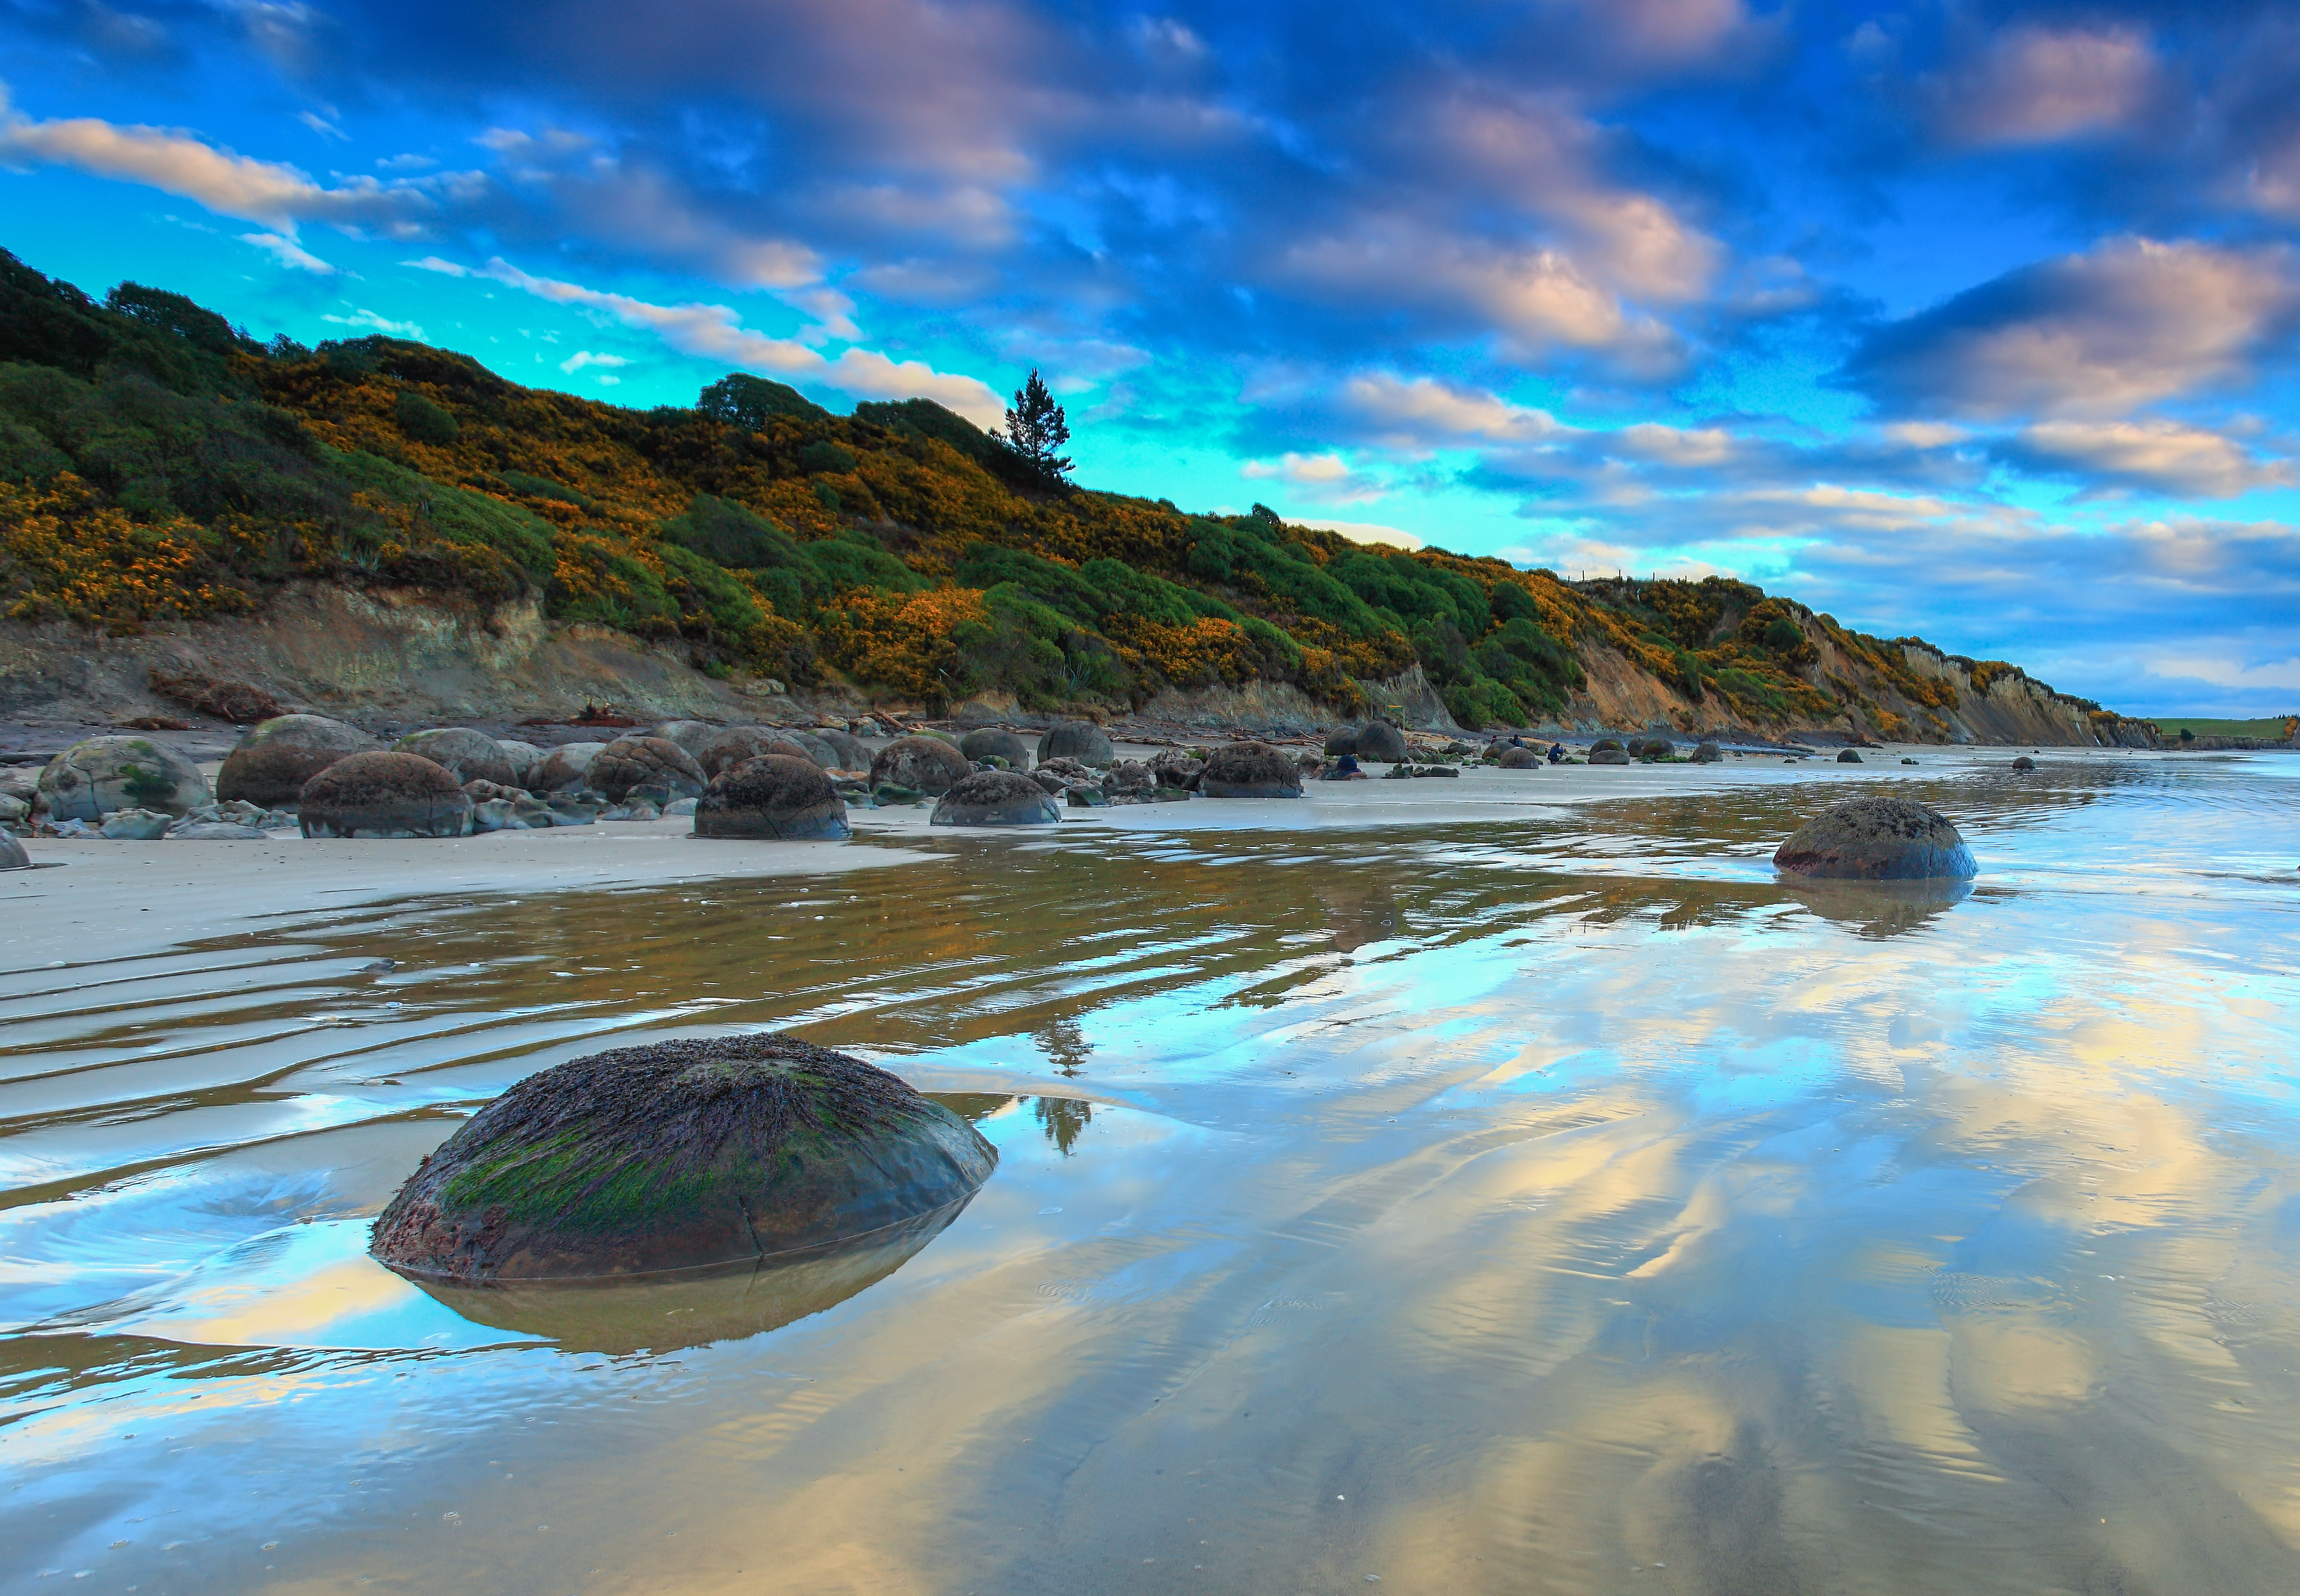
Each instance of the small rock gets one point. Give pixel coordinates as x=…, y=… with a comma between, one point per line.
x=1436, y=771
x=1908, y=762
x=1133, y=777
x=13, y=811
x=136, y=824
x=887, y=792
x=569, y=811
x=511, y=814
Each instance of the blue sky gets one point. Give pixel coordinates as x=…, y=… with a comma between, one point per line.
x=1975, y=321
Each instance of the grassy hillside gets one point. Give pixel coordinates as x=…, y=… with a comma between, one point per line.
x=2275, y=729
x=156, y=462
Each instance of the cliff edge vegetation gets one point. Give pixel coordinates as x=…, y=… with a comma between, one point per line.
x=159, y=469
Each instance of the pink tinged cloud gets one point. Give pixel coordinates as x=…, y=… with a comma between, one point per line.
x=2166, y=456
x=716, y=332
x=2031, y=85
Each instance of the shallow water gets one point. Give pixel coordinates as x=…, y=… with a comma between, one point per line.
x=1560, y=1205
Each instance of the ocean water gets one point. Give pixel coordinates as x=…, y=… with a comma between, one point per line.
x=1561, y=1204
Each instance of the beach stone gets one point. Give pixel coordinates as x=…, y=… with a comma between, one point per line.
x=1381, y=741
x=1080, y=740
x=136, y=824
x=775, y=797
x=1425, y=771
x=1847, y=756
x=563, y=768
x=1708, y=754
x=1615, y=755
x=511, y=814
x=12, y=856
x=996, y=743
x=736, y=744
x=467, y=754
x=852, y=755
x=2024, y=763
x=95, y=778
x=1086, y=798
x=523, y=757
x=1341, y=740
x=1176, y=767
x=995, y=798
x=272, y=760
x=693, y=736
x=1877, y=839
x=682, y=1155
x=929, y=764
x=631, y=762
x=1132, y=777
x=385, y=794
x=13, y=811
x=1518, y=759
x=213, y=831
x=1249, y=770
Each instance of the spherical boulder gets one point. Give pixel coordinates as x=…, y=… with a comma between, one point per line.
x=928, y=764
x=1653, y=747
x=775, y=797
x=270, y=763
x=91, y=779
x=562, y=766
x=693, y=736
x=1708, y=754
x=1877, y=839
x=851, y=751
x=1607, y=745
x=522, y=757
x=684, y=1155
x=1606, y=751
x=1380, y=740
x=1080, y=740
x=2024, y=763
x=1846, y=756
x=995, y=798
x=468, y=755
x=384, y=794
x=736, y=744
x=1518, y=759
x=996, y=742
x=631, y=762
x=1341, y=740
x=12, y=856
x=1249, y=770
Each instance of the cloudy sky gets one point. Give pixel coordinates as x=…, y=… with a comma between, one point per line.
x=1970, y=320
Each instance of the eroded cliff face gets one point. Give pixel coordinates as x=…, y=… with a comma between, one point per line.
x=402, y=656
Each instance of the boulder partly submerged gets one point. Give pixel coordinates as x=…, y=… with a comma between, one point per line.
x=694, y=1154
x=776, y=797
x=996, y=798
x=269, y=765
x=384, y=794
x=1249, y=770
x=1877, y=839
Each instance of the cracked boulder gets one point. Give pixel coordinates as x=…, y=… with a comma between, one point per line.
x=1877, y=839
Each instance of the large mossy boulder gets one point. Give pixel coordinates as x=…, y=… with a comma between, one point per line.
x=1080, y=740
x=691, y=1154
x=995, y=798
x=1518, y=759
x=563, y=766
x=91, y=779
x=468, y=755
x=631, y=762
x=1249, y=770
x=1381, y=741
x=925, y=764
x=384, y=794
x=1877, y=839
x=996, y=742
x=270, y=763
x=1708, y=754
x=775, y=797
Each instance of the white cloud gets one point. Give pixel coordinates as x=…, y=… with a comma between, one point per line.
x=1327, y=478
x=1421, y=413
x=1372, y=532
x=2279, y=675
x=583, y=357
x=370, y=320
x=289, y=253
x=321, y=125
x=2164, y=456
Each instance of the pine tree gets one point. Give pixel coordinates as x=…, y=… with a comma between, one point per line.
x=1036, y=429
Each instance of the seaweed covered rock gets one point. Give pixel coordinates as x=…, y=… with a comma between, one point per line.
x=272, y=760
x=91, y=779
x=684, y=1155
x=563, y=766
x=776, y=797
x=1080, y=740
x=995, y=798
x=1249, y=770
x=1380, y=740
x=1518, y=759
x=929, y=764
x=469, y=755
x=384, y=794
x=996, y=742
x=735, y=743
x=629, y=762
x=1877, y=839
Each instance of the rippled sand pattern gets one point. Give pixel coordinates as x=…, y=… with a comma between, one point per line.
x=1557, y=1206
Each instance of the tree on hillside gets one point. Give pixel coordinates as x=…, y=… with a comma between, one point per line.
x=748, y=402
x=1036, y=429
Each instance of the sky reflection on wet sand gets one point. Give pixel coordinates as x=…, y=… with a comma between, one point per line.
x=1557, y=1206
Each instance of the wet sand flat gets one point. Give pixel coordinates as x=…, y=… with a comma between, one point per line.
x=1505, y=1188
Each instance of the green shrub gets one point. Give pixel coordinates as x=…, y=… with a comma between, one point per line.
x=425, y=421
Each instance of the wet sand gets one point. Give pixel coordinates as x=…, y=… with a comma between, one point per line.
x=1503, y=1194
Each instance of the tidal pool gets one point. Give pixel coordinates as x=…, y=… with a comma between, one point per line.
x=1557, y=1205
